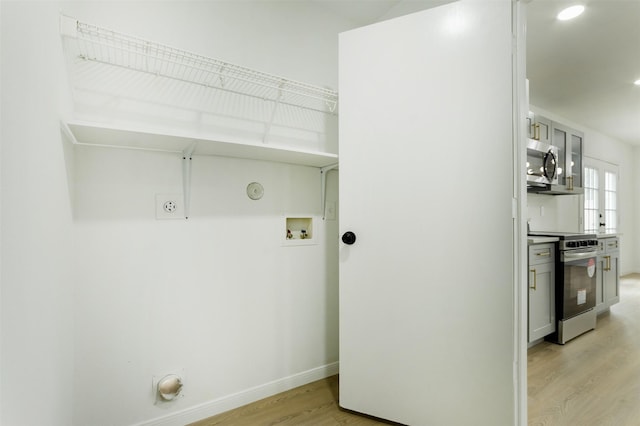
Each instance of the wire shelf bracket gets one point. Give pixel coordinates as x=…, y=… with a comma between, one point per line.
x=323, y=186
x=187, y=156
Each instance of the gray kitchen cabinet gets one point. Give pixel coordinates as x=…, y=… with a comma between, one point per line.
x=542, y=313
x=608, y=273
x=539, y=128
x=570, y=147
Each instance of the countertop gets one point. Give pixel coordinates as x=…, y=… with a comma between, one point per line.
x=609, y=234
x=541, y=240
x=533, y=239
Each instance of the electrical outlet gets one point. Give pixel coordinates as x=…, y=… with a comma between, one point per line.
x=169, y=206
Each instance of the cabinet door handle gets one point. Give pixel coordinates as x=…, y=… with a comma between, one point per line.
x=544, y=253
x=536, y=131
x=608, y=267
x=535, y=279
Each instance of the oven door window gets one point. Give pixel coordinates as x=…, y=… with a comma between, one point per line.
x=579, y=292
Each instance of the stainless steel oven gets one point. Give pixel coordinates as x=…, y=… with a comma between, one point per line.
x=575, y=285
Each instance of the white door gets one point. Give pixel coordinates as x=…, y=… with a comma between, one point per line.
x=426, y=183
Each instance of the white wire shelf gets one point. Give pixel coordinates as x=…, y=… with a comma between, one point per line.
x=106, y=46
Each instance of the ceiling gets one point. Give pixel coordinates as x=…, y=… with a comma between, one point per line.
x=582, y=70
x=361, y=12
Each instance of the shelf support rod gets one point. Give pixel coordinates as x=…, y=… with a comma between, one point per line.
x=323, y=186
x=187, y=154
x=273, y=115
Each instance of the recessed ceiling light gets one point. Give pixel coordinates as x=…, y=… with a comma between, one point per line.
x=637, y=82
x=571, y=12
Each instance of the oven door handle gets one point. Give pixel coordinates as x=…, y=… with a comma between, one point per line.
x=572, y=255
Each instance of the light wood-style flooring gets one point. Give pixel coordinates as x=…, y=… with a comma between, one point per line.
x=312, y=404
x=594, y=380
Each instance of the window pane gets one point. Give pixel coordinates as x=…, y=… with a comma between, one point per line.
x=600, y=200
x=591, y=202
x=610, y=181
x=611, y=201
x=591, y=178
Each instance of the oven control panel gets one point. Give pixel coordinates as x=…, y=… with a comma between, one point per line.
x=574, y=244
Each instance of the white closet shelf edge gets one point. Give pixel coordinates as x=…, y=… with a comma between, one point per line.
x=98, y=134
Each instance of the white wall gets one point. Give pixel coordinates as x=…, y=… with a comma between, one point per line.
x=605, y=148
x=37, y=311
x=98, y=296
x=554, y=213
x=217, y=297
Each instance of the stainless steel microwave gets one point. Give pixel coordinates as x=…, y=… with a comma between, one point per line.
x=542, y=166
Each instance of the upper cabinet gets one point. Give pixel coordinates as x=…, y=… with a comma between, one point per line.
x=539, y=128
x=567, y=146
x=570, y=146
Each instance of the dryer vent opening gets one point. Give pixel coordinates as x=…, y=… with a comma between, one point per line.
x=169, y=387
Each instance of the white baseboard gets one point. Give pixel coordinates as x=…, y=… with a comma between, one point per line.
x=229, y=402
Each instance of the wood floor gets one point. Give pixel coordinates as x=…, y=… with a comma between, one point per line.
x=312, y=404
x=594, y=380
